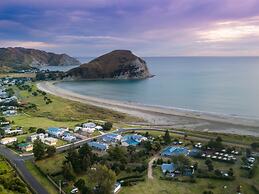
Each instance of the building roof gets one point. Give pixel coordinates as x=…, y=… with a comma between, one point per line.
x=98, y=145
x=22, y=145
x=167, y=167
x=174, y=151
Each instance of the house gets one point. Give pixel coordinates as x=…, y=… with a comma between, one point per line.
x=168, y=168
x=89, y=125
x=174, y=151
x=98, y=145
x=15, y=131
x=51, y=141
x=25, y=147
x=99, y=128
x=87, y=130
x=55, y=132
x=68, y=137
x=132, y=140
x=40, y=136
x=8, y=140
x=9, y=112
x=111, y=138
x=77, y=129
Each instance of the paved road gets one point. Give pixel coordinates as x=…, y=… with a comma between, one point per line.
x=19, y=164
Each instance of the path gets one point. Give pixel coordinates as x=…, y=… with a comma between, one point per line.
x=150, y=167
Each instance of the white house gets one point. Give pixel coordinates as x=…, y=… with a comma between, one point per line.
x=51, y=141
x=8, y=140
x=15, y=131
x=99, y=128
x=40, y=136
x=88, y=130
x=89, y=125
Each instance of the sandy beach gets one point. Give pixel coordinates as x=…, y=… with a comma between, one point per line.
x=177, y=118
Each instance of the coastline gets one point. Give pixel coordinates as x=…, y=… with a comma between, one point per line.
x=173, y=117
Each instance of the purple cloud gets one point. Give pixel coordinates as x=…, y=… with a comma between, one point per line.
x=149, y=27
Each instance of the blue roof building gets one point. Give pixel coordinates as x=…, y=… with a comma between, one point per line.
x=98, y=145
x=111, y=137
x=54, y=131
x=132, y=140
x=174, y=151
x=168, y=168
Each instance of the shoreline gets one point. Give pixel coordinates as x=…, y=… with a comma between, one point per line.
x=174, y=117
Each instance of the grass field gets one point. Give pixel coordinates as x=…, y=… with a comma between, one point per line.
x=8, y=173
x=41, y=178
x=61, y=112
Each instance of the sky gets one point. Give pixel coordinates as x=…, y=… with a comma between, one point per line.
x=88, y=28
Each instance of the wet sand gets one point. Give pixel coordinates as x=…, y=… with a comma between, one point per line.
x=173, y=117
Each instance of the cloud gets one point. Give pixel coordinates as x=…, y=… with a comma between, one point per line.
x=26, y=44
x=231, y=31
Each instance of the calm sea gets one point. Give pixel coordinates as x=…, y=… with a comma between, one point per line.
x=223, y=85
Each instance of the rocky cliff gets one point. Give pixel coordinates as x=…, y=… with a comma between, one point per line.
x=17, y=58
x=118, y=64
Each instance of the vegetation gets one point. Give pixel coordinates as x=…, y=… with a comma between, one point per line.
x=10, y=183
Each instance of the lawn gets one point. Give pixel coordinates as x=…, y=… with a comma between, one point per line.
x=41, y=178
x=169, y=187
x=51, y=165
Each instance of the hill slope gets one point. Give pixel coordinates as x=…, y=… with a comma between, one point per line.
x=118, y=64
x=18, y=58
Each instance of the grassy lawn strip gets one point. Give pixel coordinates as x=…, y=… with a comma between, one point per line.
x=41, y=178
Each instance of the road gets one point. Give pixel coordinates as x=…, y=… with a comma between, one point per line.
x=19, y=164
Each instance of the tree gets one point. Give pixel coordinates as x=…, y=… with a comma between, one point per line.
x=38, y=149
x=80, y=184
x=51, y=150
x=67, y=171
x=210, y=167
x=103, y=178
x=181, y=161
x=231, y=172
x=167, y=137
x=40, y=130
x=107, y=126
x=73, y=157
x=118, y=153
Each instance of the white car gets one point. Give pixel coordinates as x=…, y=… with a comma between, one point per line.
x=75, y=190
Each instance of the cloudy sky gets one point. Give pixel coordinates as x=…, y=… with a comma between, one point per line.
x=148, y=27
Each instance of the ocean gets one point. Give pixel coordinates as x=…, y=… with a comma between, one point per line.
x=219, y=85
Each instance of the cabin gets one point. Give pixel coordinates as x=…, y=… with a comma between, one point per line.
x=68, y=137
x=168, y=168
x=89, y=125
x=40, y=136
x=25, y=147
x=51, y=141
